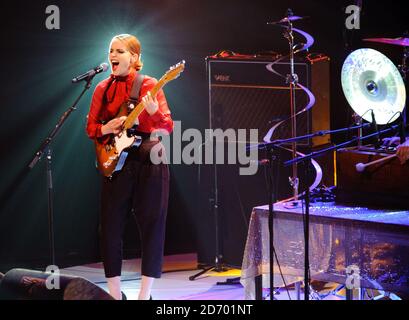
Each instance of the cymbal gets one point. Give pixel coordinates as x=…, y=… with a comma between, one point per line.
x=396, y=41
x=371, y=81
x=286, y=19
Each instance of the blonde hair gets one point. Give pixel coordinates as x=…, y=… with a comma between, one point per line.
x=133, y=46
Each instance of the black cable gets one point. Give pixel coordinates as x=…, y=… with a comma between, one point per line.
x=243, y=214
x=179, y=270
x=282, y=276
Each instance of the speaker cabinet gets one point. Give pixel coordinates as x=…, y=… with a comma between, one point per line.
x=243, y=94
x=25, y=284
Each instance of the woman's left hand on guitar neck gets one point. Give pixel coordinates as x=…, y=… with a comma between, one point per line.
x=150, y=103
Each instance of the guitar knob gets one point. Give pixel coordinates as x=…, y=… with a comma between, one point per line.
x=131, y=106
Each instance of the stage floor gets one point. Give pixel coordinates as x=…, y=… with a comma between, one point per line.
x=175, y=283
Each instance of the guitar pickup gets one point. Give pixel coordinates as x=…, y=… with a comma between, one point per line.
x=131, y=131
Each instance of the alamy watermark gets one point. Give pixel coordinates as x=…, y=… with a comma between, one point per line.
x=353, y=20
x=53, y=280
x=52, y=20
x=216, y=146
x=353, y=280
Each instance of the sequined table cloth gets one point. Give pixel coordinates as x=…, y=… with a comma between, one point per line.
x=376, y=241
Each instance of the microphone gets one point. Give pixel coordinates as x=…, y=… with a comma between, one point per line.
x=374, y=126
x=101, y=68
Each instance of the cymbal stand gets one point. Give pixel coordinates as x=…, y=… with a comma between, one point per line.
x=404, y=68
x=292, y=80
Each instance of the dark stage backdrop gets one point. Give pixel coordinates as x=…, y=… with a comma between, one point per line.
x=38, y=64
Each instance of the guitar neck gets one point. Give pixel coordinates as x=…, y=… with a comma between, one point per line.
x=130, y=120
x=171, y=74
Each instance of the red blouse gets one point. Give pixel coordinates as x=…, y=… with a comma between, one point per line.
x=108, y=97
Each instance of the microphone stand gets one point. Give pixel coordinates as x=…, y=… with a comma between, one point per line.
x=272, y=198
x=307, y=195
x=270, y=147
x=46, y=148
x=338, y=146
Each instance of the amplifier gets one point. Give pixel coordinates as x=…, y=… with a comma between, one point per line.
x=243, y=94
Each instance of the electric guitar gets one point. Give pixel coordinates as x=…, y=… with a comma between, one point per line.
x=111, y=156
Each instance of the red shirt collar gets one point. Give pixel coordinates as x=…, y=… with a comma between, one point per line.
x=128, y=78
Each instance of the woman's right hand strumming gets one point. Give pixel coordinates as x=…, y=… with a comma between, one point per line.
x=114, y=126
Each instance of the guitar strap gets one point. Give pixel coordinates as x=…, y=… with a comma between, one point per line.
x=134, y=99
x=136, y=88
x=134, y=96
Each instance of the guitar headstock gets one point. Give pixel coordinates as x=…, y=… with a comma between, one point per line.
x=173, y=72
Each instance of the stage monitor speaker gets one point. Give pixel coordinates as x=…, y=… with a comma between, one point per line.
x=24, y=284
x=243, y=94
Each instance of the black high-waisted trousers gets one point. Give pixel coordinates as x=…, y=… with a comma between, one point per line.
x=142, y=188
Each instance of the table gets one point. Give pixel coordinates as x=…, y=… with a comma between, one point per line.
x=374, y=240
